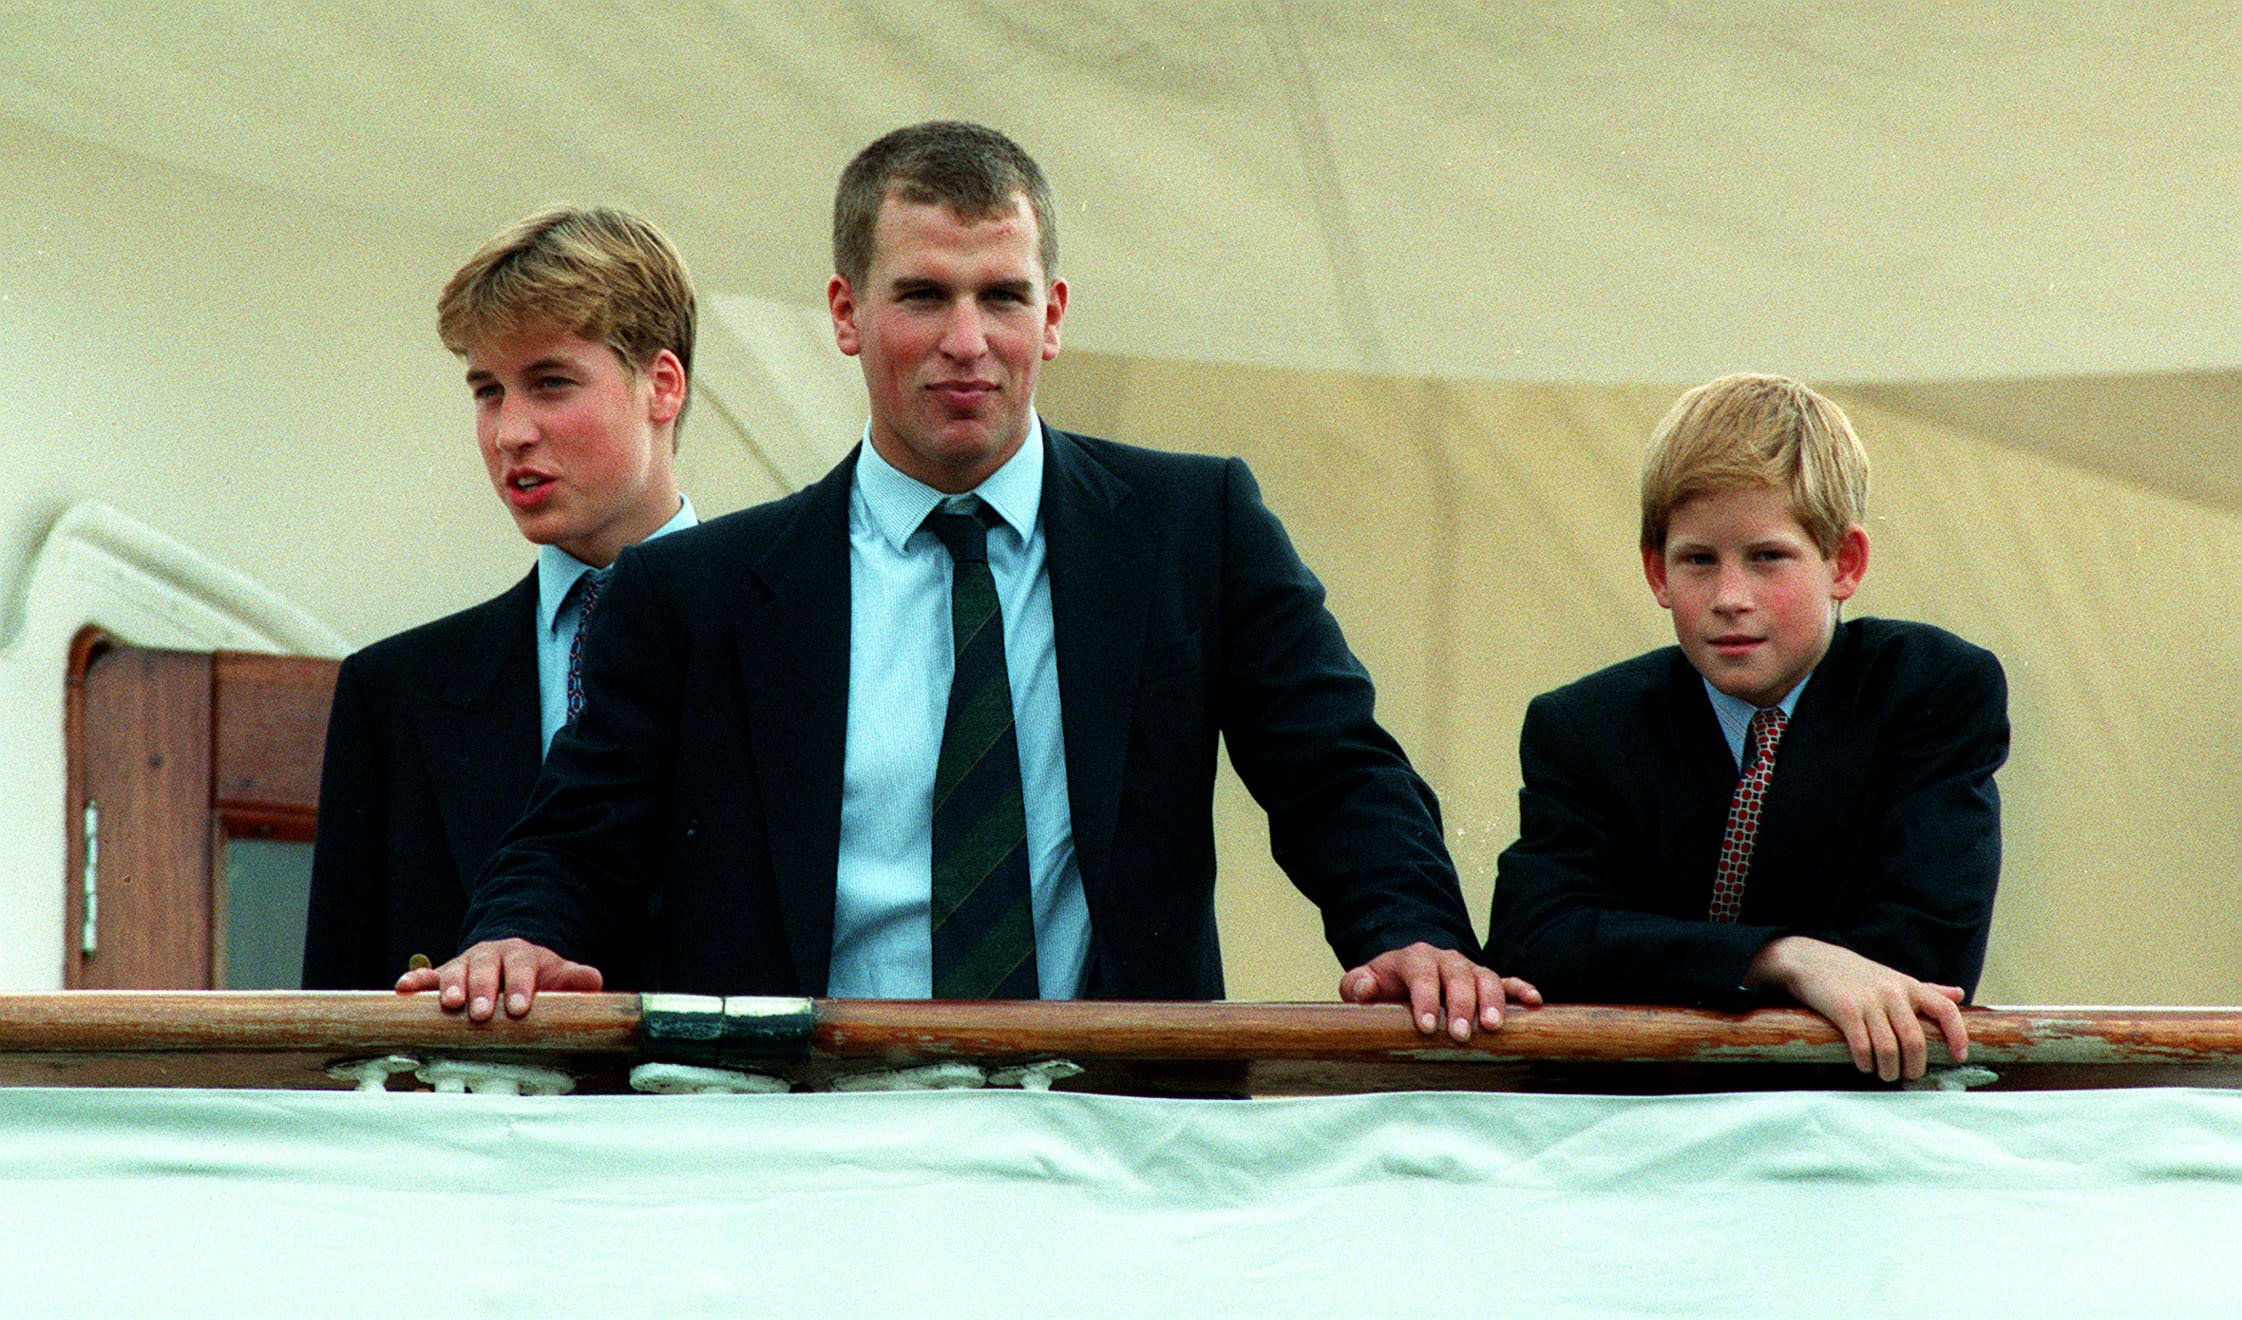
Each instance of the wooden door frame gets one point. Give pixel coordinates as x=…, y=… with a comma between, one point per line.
x=179, y=751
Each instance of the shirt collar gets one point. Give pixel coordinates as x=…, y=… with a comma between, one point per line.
x=1735, y=714
x=557, y=570
x=899, y=504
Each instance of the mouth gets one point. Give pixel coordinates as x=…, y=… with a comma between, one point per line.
x=525, y=490
x=1733, y=645
x=963, y=395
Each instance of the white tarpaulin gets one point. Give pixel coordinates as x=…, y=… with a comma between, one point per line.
x=2103, y=1203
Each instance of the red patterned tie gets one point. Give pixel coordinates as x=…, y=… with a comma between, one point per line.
x=1760, y=739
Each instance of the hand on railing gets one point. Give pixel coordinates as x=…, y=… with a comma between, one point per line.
x=1879, y=1011
x=516, y=968
x=1436, y=982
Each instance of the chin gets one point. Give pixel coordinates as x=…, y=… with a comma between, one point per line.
x=965, y=456
x=1742, y=689
x=966, y=445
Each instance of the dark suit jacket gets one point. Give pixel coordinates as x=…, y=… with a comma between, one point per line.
x=707, y=765
x=1881, y=831
x=432, y=746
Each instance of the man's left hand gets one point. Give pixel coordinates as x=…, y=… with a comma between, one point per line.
x=1436, y=981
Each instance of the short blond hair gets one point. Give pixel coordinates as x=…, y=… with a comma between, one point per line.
x=600, y=273
x=1746, y=431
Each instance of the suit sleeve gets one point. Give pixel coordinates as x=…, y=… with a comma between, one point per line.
x=1939, y=842
x=343, y=927
x=1562, y=917
x=580, y=860
x=1350, y=822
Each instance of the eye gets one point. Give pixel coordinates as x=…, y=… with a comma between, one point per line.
x=484, y=392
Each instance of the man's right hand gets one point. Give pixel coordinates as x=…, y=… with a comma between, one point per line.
x=515, y=968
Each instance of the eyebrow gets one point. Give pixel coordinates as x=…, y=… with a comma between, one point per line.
x=912, y=283
x=548, y=363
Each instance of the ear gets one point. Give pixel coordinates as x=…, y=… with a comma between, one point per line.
x=1654, y=572
x=1851, y=559
x=665, y=376
x=1054, y=307
x=841, y=300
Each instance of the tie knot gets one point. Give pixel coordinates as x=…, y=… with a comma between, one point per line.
x=964, y=532
x=585, y=590
x=1764, y=731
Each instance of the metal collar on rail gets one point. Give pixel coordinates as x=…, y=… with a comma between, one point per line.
x=737, y=1032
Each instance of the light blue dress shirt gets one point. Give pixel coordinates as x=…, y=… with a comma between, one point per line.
x=557, y=571
x=1735, y=713
x=900, y=661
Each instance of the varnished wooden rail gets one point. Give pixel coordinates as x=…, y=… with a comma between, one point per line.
x=280, y=1038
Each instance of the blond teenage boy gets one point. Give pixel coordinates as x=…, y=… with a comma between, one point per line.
x=1783, y=807
x=576, y=327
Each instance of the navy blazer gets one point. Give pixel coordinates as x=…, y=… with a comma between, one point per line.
x=705, y=774
x=433, y=743
x=1881, y=831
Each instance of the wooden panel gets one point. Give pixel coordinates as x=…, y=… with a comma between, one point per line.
x=270, y=734
x=142, y=759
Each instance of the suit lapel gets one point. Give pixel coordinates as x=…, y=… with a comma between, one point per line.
x=794, y=664
x=480, y=737
x=1693, y=808
x=1817, y=775
x=1099, y=554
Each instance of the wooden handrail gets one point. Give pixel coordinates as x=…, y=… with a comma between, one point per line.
x=290, y=1038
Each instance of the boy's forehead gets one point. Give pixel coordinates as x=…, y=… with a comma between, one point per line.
x=512, y=348
x=1750, y=510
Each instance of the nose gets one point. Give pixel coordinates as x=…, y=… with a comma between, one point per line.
x=963, y=337
x=1731, y=590
x=511, y=427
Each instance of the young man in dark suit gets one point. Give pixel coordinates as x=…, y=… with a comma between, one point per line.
x=577, y=330
x=1781, y=807
x=982, y=650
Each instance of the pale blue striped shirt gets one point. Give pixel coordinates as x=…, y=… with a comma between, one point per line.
x=900, y=660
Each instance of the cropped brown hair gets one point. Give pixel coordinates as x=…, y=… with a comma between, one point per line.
x=1747, y=431
x=602, y=274
x=972, y=170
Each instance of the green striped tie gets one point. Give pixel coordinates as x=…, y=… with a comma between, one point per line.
x=984, y=928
